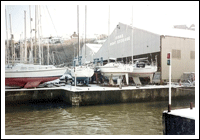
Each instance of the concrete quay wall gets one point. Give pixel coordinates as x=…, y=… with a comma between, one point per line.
x=177, y=125
x=33, y=95
x=126, y=96
x=92, y=97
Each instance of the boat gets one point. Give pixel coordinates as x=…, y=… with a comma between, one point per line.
x=81, y=73
x=141, y=68
x=25, y=75
x=114, y=70
x=30, y=75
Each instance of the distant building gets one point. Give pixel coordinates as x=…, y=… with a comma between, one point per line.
x=45, y=40
x=88, y=52
x=180, y=26
x=192, y=27
x=99, y=41
x=74, y=36
x=56, y=40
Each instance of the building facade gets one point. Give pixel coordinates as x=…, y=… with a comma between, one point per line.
x=182, y=56
x=126, y=42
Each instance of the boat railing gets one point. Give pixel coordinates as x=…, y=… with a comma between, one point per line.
x=17, y=60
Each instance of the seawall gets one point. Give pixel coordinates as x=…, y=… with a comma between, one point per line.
x=80, y=96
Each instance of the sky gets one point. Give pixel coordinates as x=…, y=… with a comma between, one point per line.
x=145, y=15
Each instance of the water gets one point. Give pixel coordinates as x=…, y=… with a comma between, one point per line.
x=57, y=118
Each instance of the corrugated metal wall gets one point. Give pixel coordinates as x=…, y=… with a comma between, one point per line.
x=120, y=42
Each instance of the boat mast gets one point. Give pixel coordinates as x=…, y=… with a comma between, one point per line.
x=31, y=36
x=78, y=30
x=35, y=31
x=48, y=54
x=85, y=28
x=21, y=48
x=25, y=38
x=132, y=38
x=7, y=44
x=38, y=27
x=41, y=35
x=11, y=41
x=108, y=33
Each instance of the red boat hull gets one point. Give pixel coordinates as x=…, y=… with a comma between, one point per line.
x=28, y=82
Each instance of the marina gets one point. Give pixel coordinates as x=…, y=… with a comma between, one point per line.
x=130, y=81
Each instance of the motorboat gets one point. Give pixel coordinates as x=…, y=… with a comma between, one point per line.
x=30, y=75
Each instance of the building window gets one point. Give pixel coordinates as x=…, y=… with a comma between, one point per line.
x=192, y=54
x=176, y=54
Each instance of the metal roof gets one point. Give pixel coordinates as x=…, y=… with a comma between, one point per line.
x=185, y=33
x=94, y=47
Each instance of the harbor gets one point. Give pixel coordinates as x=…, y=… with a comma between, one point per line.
x=55, y=119
x=80, y=76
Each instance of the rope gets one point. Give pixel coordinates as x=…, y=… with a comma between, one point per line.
x=52, y=21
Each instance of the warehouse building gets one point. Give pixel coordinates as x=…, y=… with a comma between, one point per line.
x=125, y=42
x=88, y=51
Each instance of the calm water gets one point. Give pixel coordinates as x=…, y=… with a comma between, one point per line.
x=57, y=118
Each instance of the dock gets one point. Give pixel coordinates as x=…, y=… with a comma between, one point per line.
x=96, y=94
x=179, y=122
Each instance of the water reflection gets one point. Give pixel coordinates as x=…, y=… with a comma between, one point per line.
x=57, y=118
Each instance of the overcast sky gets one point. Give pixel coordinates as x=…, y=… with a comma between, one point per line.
x=146, y=15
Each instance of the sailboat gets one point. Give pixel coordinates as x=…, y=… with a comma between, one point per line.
x=141, y=68
x=29, y=75
x=113, y=69
x=81, y=73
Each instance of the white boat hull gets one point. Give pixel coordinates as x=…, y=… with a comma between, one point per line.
x=137, y=72
x=82, y=72
x=142, y=72
x=29, y=76
x=36, y=73
x=114, y=70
